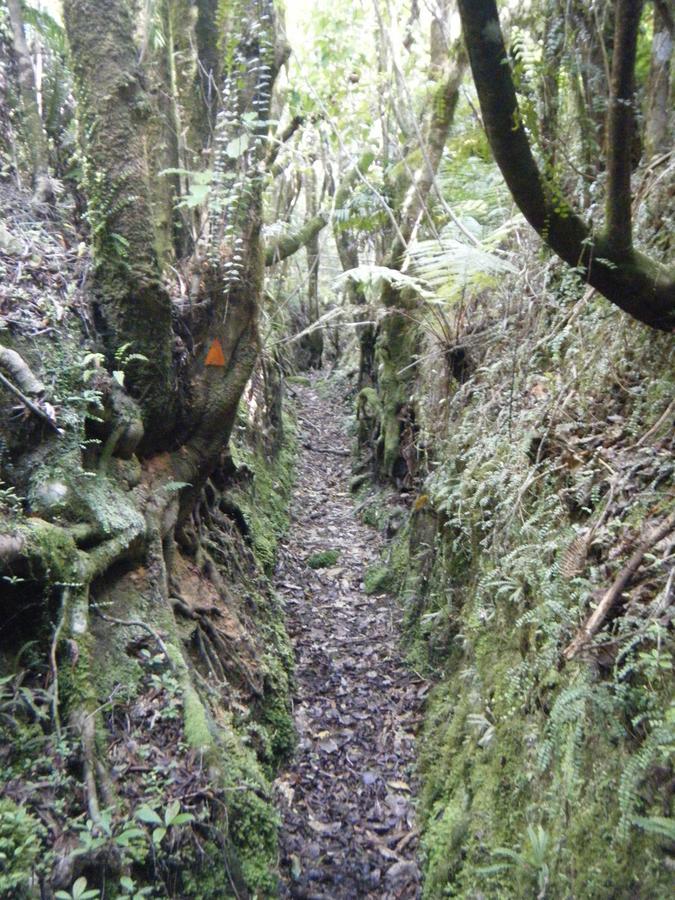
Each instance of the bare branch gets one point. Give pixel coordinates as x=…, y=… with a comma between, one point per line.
x=597, y=618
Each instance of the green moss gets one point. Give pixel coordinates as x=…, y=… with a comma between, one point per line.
x=21, y=850
x=323, y=559
x=195, y=721
x=252, y=819
x=379, y=579
x=264, y=501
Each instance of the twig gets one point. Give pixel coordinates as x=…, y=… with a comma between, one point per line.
x=52, y=661
x=33, y=407
x=597, y=618
x=136, y=623
x=326, y=450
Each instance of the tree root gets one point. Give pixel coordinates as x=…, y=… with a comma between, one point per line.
x=20, y=371
x=137, y=623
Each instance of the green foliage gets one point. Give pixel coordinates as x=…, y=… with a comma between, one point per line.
x=515, y=742
x=79, y=891
x=21, y=836
x=323, y=559
x=199, y=184
x=378, y=579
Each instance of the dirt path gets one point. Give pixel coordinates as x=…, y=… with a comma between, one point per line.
x=348, y=820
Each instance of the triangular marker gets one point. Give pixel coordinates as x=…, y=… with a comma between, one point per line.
x=215, y=356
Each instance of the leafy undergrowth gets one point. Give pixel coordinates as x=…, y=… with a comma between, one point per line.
x=546, y=769
x=168, y=826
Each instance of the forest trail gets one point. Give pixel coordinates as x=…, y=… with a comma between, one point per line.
x=346, y=800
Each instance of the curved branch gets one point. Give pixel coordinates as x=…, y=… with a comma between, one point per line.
x=288, y=244
x=609, y=599
x=633, y=282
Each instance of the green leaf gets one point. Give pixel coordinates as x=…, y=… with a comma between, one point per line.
x=79, y=888
x=172, y=810
x=237, y=146
x=659, y=825
x=182, y=819
x=158, y=835
x=147, y=814
x=128, y=835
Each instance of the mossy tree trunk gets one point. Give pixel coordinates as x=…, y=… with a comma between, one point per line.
x=36, y=139
x=114, y=110
x=315, y=338
x=346, y=241
x=398, y=334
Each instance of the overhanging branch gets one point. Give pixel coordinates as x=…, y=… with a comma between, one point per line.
x=288, y=244
x=633, y=282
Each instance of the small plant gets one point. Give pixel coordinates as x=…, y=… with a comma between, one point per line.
x=20, y=848
x=323, y=559
x=128, y=885
x=173, y=817
x=8, y=498
x=531, y=861
x=79, y=891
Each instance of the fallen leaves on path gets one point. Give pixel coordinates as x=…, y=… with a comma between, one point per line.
x=347, y=798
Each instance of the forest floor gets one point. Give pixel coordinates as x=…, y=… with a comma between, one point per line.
x=347, y=797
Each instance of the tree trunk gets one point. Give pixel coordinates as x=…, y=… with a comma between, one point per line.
x=315, y=338
x=659, y=107
x=114, y=109
x=397, y=338
x=36, y=139
x=621, y=122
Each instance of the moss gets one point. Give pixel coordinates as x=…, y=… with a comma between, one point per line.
x=397, y=345
x=323, y=559
x=195, y=722
x=379, y=579
x=532, y=770
x=252, y=819
x=298, y=379
x=76, y=680
x=21, y=850
x=264, y=501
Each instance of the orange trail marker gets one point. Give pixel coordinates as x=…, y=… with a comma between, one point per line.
x=215, y=356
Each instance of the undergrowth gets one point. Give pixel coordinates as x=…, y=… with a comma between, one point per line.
x=548, y=466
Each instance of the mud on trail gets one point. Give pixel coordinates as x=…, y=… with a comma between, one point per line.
x=346, y=800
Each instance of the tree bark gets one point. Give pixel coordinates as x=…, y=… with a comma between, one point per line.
x=630, y=280
x=315, y=338
x=659, y=107
x=618, y=222
x=114, y=109
x=36, y=138
x=233, y=272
